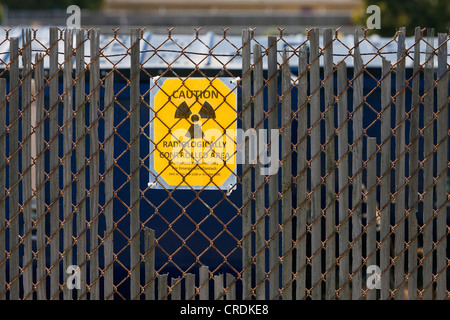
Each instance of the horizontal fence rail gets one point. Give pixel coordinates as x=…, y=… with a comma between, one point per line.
x=352, y=203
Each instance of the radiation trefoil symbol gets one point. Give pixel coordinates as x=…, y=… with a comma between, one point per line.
x=206, y=112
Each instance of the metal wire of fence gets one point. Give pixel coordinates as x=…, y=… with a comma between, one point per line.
x=357, y=207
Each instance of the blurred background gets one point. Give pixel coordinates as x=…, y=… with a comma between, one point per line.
x=212, y=15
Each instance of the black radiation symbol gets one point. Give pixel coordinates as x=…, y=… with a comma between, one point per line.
x=206, y=112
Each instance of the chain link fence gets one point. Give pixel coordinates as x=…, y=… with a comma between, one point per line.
x=354, y=130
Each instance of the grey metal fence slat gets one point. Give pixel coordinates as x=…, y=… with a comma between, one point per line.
x=3, y=257
x=27, y=193
x=149, y=259
x=272, y=102
x=189, y=285
x=260, y=185
x=330, y=180
x=203, y=284
x=343, y=167
x=230, y=282
x=14, y=205
x=428, y=103
x=316, y=208
x=80, y=162
x=175, y=291
x=385, y=173
x=135, y=99
x=53, y=124
x=109, y=188
x=218, y=287
x=163, y=288
x=40, y=117
x=399, y=243
x=286, y=179
x=413, y=200
x=247, y=171
x=357, y=149
x=371, y=202
x=94, y=165
x=302, y=172
x=67, y=130
x=442, y=167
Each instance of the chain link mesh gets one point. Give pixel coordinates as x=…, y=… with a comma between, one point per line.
x=309, y=231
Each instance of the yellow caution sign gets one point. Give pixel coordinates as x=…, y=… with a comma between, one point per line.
x=189, y=146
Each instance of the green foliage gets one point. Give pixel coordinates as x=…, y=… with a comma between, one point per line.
x=51, y=4
x=410, y=14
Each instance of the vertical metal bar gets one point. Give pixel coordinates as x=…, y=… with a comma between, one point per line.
x=94, y=167
x=40, y=177
x=428, y=215
x=149, y=264
x=67, y=163
x=3, y=101
x=330, y=167
x=246, y=169
x=135, y=99
x=27, y=194
x=260, y=210
x=399, y=244
x=80, y=161
x=302, y=172
x=316, y=209
x=344, y=225
x=274, y=246
x=442, y=167
x=286, y=179
x=53, y=129
x=413, y=184
x=371, y=201
x=358, y=105
x=385, y=173
x=14, y=183
x=109, y=187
